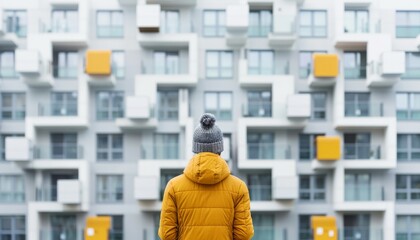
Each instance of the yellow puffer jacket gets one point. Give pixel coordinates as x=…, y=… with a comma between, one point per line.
x=206, y=203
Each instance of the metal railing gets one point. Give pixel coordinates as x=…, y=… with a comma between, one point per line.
x=57, y=109
x=59, y=151
x=257, y=109
x=268, y=151
x=260, y=192
x=363, y=109
x=364, y=193
x=361, y=151
x=160, y=151
x=358, y=72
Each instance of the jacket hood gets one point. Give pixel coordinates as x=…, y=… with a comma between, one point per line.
x=207, y=168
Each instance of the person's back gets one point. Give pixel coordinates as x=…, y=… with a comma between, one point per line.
x=206, y=202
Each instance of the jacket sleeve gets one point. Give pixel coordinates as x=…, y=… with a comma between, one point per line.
x=242, y=222
x=168, y=227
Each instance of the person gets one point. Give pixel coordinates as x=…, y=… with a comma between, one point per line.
x=206, y=202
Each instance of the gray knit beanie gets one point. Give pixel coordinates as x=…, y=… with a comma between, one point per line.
x=207, y=136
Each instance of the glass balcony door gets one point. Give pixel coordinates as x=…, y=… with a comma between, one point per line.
x=64, y=146
x=169, y=21
x=65, y=21
x=357, y=104
x=356, y=21
x=357, y=146
x=260, y=145
x=259, y=104
x=357, y=187
x=356, y=227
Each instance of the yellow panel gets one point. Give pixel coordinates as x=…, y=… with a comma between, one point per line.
x=97, y=228
x=98, y=62
x=325, y=65
x=328, y=148
x=324, y=228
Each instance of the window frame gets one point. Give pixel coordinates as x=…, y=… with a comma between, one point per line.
x=410, y=109
x=15, y=233
x=356, y=12
x=118, y=70
x=409, y=150
x=19, y=27
x=218, y=110
x=13, y=73
x=111, y=109
x=113, y=195
x=408, y=68
x=312, y=145
x=18, y=189
x=406, y=13
x=312, y=25
x=220, y=68
x=308, y=69
x=111, y=26
x=110, y=150
x=313, y=190
x=17, y=113
x=220, y=26
x=165, y=110
x=408, y=233
x=408, y=190
x=263, y=30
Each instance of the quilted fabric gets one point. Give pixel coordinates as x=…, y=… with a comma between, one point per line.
x=206, y=203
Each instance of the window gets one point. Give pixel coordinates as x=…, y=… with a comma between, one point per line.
x=65, y=21
x=264, y=226
x=63, y=226
x=260, y=62
x=118, y=64
x=12, y=189
x=65, y=64
x=16, y=21
x=260, y=23
x=312, y=187
x=64, y=146
x=166, y=146
x=3, y=145
x=408, y=188
x=109, y=24
x=355, y=65
x=13, y=106
x=109, y=188
x=357, y=146
x=408, y=147
x=318, y=105
x=407, y=24
x=259, y=104
x=214, y=23
x=219, y=64
x=305, y=229
x=407, y=227
x=260, y=145
x=259, y=185
x=408, y=106
x=356, y=226
x=313, y=23
x=62, y=104
x=116, y=232
x=166, y=62
x=169, y=21
x=305, y=63
x=12, y=228
x=109, y=105
x=7, y=65
x=307, y=146
x=357, y=187
x=356, y=21
x=168, y=105
x=357, y=104
x=165, y=176
x=412, y=66
x=219, y=104
x=109, y=147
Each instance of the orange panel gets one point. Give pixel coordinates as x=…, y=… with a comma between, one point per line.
x=324, y=228
x=97, y=228
x=98, y=62
x=325, y=65
x=328, y=148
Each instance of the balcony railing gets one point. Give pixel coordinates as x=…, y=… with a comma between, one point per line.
x=361, y=151
x=65, y=72
x=12, y=197
x=46, y=194
x=268, y=151
x=59, y=27
x=259, y=31
x=160, y=151
x=358, y=72
x=364, y=193
x=110, y=31
x=8, y=72
x=269, y=233
x=260, y=192
x=359, y=233
x=257, y=109
x=364, y=109
x=407, y=31
x=62, y=234
x=59, y=151
x=57, y=109
x=411, y=73
x=110, y=196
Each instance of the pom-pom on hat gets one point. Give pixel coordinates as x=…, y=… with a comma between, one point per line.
x=207, y=136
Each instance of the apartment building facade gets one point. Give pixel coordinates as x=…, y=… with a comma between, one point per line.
x=319, y=101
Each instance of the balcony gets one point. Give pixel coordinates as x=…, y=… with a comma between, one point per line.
x=169, y=151
x=364, y=194
x=257, y=109
x=66, y=192
x=62, y=234
x=148, y=18
x=284, y=32
x=325, y=70
x=269, y=233
x=59, y=151
x=358, y=72
x=268, y=151
x=57, y=110
x=353, y=233
x=388, y=70
x=299, y=106
x=65, y=72
x=264, y=75
x=28, y=62
x=363, y=109
x=237, y=21
x=359, y=151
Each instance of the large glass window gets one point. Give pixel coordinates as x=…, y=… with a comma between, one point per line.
x=219, y=104
x=356, y=21
x=307, y=146
x=259, y=104
x=357, y=146
x=355, y=65
x=356, y=226
x=166, y=146
x=62, y=226
x=357, y=104
x=260, y=62
x=109, y=105
x=260, y=145
x=62, y=104
x=168, y=105
x=65, y=64
x=214, y=23
x=12, y=189
x=13, y=106
x=408, y=147
x=109, y=147
x=109, y=24
x=219, y=64
x=264, y=226
x=166, y=62
x=318, y=105
x=15, y=22
x=64, y=146
x=312, y=188
x=313, y=23
x=169, y=21
x=408, y=188
x=260, y=23
x=408, y=106
x=65, y=20
x=165, y=176
x=118, y=64
x=357, y=187
x=412, y=66
x=7, y=65
x=259, y=185
x=407, y=24
x=305, y=63
x=109, y=188
x=407, y=227
x=12, y=227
